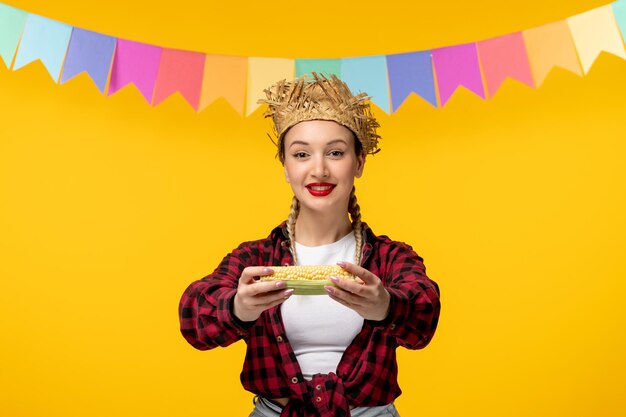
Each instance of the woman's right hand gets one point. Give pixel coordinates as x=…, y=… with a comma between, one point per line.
x=254, y=297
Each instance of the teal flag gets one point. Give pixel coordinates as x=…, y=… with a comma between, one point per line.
x=12, y=23
x=321, y=66
x=368, y=74
x=44, y=39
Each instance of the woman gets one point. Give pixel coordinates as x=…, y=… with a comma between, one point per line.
x=318, y=355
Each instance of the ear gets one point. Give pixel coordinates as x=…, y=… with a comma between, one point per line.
x=360, y=164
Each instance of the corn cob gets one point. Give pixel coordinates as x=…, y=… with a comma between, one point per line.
x=308, y=279
x=308, y=273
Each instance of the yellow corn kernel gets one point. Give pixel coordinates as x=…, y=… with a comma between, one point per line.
x=307, y=273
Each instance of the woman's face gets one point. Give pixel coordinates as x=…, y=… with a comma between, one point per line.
x=321, y=164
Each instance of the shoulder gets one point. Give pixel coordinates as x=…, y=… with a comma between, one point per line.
x=384, y=244
x=384, y=240
x=275, y=238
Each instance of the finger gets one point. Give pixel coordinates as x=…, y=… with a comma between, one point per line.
x=267, y=300
x=259, y=288
x=277, y=302
x=348, y=285
x=248, y=273
x=366, y=276
x=350, y=299
x=341, y=301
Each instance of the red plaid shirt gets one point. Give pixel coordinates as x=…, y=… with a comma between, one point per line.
x=367, y=372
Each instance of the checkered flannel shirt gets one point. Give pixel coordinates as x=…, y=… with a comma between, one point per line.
x=367, y=372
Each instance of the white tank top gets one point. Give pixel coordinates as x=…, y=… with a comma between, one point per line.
x=320, y=329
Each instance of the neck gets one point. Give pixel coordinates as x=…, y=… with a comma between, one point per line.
x=315, y=229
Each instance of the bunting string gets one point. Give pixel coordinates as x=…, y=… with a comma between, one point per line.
x=433, y=75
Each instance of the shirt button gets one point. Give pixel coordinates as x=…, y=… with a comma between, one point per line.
x=318, y=399
x=294, y=380
x=279, y=338
x=318, y=387
x=392, y=326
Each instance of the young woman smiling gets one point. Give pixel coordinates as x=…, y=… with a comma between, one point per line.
x=317, y=355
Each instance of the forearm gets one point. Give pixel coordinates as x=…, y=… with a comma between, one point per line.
x=206, y=316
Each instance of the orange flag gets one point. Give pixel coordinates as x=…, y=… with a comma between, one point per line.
x=224, y=76
x=549, y=46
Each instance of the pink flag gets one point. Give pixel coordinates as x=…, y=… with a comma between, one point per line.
x=456, y=66
x=136, y=63
x=502, y=57
x=180, y=71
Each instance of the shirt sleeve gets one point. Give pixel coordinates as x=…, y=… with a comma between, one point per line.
x=414, y=304
x=206, y=307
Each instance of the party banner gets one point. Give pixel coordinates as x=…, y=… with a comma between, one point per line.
x=201, y=78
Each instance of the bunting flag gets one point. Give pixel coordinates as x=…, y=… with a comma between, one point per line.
x=46, y=40
x=262, y=72
x=457, y=66
x=619, y=10
x=549, y=46
x=368, y=74
x=411, y=73
x=90, y=52
x=321, y=66
x=596, y=31
x=136, y=63
x=433, y=75
x=12, y=23
x=180, y=71
x=224, y=76
x=503, y=57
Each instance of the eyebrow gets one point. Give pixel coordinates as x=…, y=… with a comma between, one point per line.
x=332, y=142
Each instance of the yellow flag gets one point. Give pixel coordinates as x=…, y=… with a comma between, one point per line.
x=263, y=72
x=596, y=31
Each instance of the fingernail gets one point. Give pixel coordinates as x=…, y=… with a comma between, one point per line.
x=280, y=284
x=267, y=270
x=334, y=279
x=288, y=293
x=341, y=264
x=329, y=290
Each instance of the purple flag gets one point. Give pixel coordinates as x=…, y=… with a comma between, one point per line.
x=90, y=52
x=455, y=66
x=411, y=73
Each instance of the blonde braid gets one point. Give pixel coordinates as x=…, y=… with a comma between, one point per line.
x=355, y=215
x=291, y=227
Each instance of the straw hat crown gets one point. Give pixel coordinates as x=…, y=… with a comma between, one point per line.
x=320, y=98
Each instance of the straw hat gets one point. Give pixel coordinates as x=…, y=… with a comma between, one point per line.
x=320, y=98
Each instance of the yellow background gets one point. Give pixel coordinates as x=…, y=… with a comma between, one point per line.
x=110, y=208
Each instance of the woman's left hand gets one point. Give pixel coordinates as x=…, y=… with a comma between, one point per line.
x=366, y=295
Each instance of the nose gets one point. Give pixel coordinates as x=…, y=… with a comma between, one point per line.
x=320, y=167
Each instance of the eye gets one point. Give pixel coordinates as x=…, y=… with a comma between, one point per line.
x=336, y=153
x=300, y=155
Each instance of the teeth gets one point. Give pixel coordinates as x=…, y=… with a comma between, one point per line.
x=321, y=187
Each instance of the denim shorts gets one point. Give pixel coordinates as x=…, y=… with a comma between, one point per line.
x=265, y=408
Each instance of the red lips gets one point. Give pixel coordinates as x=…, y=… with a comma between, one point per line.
x=320, y=189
